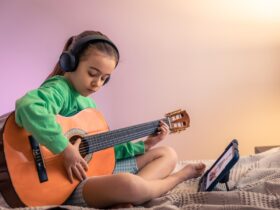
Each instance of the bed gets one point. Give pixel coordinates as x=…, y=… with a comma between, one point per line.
x=254, y=184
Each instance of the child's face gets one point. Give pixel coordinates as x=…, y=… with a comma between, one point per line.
x=91, y=72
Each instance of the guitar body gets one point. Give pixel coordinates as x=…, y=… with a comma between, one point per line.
x=21, y=169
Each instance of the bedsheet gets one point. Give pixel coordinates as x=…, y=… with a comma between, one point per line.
x=254, y=184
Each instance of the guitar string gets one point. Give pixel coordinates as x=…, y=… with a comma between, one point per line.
x=118, y=131
x=113, y=134
x=46, y=160
x=54, y=157
x=105, y=136
x=109, y=138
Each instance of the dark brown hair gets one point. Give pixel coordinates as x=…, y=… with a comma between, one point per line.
x=101, y=46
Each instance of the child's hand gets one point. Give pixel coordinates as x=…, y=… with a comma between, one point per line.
x=152, y=140
x=74, y=163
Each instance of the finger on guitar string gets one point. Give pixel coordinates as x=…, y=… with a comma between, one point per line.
x=70, y=175
x=84, y=164
x=72, y=160
x=164, y=126
x=77, y=172
x=82, y=171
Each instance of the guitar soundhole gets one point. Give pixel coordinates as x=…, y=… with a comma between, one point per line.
x=83, y=148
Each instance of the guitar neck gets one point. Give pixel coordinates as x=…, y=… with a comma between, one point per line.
x=109, y=139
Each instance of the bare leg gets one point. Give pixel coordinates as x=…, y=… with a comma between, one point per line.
x=157, y=163
x=104, y=191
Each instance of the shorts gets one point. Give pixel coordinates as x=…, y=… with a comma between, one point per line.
x=127, y=165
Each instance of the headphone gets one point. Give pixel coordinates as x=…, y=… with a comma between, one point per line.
x=69, y=60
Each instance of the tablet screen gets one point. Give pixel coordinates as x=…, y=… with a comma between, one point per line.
x=220, y=166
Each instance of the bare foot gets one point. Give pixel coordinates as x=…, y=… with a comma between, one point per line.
x=191, y=171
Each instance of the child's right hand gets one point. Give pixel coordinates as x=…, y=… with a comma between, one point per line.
x=74, y=163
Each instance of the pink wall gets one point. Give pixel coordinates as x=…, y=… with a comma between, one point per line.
x=217, y=59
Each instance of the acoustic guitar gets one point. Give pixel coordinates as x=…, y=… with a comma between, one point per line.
x=31, y=175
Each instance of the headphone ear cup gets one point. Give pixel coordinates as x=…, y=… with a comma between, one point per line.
x=67, y=62
x=106, y=81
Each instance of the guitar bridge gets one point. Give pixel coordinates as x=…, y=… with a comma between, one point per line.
x=38, y=159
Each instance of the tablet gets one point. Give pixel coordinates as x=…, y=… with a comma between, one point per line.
x=220, y=169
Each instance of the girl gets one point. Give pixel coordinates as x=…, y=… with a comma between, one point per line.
x=141, y=172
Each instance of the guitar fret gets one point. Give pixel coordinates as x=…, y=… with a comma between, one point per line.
x=99, y=144
x=104, y=140
x=122, y=132
x=119, y=138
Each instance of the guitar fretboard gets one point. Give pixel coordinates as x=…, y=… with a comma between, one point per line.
x=109, y=139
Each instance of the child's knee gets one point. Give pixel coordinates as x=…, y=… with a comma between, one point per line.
x=170, y=153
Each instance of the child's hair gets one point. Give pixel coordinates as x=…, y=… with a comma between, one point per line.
x=100, y=45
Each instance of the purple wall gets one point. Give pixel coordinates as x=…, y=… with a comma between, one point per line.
x=33, y=34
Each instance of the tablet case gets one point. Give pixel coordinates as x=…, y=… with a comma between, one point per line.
x=223, y=168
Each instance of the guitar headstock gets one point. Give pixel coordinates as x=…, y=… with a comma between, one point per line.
x=178, y=120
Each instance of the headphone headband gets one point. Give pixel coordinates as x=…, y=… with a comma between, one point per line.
x=84, y=41
x=69, y=60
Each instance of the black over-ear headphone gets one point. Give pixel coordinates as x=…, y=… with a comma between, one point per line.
x=69, y=60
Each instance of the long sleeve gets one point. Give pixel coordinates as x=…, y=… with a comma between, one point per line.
x=36, y=113
x=37, y=110
x=129, y=149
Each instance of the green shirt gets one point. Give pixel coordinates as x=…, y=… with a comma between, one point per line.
x=37, y=110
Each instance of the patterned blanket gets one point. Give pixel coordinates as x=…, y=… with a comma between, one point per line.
x=254, y=184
